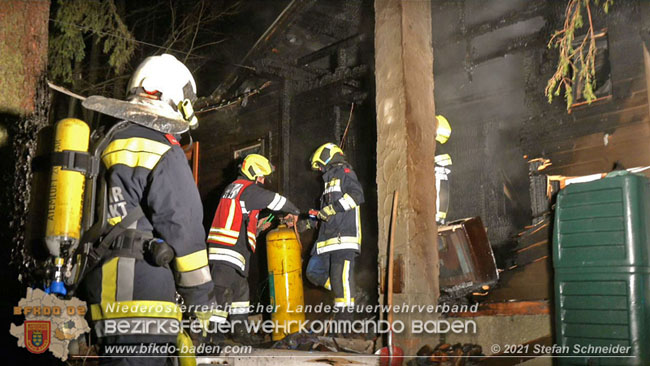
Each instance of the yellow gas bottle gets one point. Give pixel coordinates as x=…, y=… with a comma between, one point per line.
x=285, y=280
x=186, y=355
x=65, y=207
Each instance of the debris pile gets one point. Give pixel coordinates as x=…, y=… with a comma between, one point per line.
x=446, y=354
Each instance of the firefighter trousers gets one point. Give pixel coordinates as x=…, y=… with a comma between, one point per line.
x=120, y=290
x=334, y=271
x=231, y=290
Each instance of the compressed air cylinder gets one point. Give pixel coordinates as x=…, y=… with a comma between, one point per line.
x=187, y=356
x=65, y=207
x=285, y=280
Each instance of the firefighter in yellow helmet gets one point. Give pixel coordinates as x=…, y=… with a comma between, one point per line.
x=339, y=236
x=155, y=245
x=443, y=171
x=443, y=131
x=233, y=238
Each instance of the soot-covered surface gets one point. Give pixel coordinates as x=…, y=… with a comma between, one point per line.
x=491, y=65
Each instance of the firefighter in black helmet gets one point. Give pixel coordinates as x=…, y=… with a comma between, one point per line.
x=149, y=183
x=233, y=239
x=339, y=235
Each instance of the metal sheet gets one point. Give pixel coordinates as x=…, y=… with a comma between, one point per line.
x=143, y=113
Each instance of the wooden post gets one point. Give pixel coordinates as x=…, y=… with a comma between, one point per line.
x=406, y=128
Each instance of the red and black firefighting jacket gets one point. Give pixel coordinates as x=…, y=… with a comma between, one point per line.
x=343, y=191
x=233, y=233
x=148, y=168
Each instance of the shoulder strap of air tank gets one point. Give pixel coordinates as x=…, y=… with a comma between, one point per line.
x=133, y=216
x=101, y=250
x=96, y=200
x=96, y=188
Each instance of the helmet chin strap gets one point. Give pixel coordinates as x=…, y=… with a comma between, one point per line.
x=189, y=146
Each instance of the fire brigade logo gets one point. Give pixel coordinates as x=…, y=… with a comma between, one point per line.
x=37, y=335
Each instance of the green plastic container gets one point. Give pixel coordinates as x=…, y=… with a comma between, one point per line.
x=596, y=308
x=603, y=223
x=602, y=273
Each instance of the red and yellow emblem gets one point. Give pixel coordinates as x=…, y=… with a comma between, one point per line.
x=37, y=335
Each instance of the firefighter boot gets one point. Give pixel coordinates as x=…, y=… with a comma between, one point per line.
x=241, y=333
x=343, y=319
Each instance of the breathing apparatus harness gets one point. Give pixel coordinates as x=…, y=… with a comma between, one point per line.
x=98, y=241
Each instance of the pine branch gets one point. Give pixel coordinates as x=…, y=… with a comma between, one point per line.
x=579, y=62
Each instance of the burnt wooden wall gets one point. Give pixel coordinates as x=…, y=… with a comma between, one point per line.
x=220, y=134
x=491, y=66
x=307, y=105
x=592, y=138
x=315, y=117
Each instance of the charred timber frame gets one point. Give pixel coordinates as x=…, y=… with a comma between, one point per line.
x=331, y=49
x=283, y=21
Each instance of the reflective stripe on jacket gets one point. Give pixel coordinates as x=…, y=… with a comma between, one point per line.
x=145, y=168
x=231, y=241
x=343, y=191
x=231, y=214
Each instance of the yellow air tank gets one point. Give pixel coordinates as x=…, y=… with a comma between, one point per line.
x=285, y=280
x=187, y=356
x=65, y=207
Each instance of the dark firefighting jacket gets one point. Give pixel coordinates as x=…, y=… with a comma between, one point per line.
x=148, y=168
x=233, y=232
x=343, y=191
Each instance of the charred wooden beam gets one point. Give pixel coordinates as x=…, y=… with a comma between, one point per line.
x=350, y=94
x=332, y=19
x=533, y=253
x=534, y=9
x=315, y=70
x=507, y=308
x=336, y=94
x=285, y=127
x=283, y=69
x=287, y=17
x=520, y=44
x=331, y=49
x=341, y=74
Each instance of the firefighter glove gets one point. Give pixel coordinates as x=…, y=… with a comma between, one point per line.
x=326, y=212
x=304, y=225
x=204, y=320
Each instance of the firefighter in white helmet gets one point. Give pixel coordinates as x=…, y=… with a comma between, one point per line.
x=153, y=203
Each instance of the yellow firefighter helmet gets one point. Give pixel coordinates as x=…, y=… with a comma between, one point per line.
x=444, y=129
x=256, y=165
x=324, y=154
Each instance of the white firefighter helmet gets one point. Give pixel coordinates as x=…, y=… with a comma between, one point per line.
x=165, y=76
x=160, y=95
